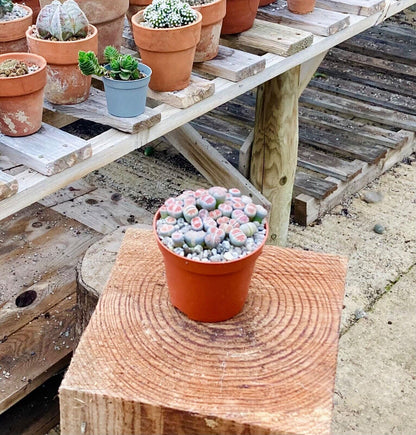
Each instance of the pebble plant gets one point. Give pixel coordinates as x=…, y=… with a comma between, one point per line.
x=168, y=13
x=213, y=225
x=62, y=21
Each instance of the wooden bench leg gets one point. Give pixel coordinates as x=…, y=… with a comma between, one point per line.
x=274, y=152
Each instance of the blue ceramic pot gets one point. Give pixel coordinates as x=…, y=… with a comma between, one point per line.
x=127, y=98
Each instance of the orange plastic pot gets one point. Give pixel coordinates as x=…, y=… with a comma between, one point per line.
x=240, y=16
x=301, y=6
x=108, y=17
x=212, y=16
x=13, y=33
x=207, y=292
x=66, y=84
x=169, y=52
x=21, y=98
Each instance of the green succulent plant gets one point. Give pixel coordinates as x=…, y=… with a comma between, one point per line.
x=5, y=6
x=119, y=66
x=169, y=13
x=62, y=21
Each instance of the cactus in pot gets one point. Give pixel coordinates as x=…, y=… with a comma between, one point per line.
x=5, y=6
x=61, y=31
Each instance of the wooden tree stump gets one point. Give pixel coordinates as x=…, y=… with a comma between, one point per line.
x=142, y=367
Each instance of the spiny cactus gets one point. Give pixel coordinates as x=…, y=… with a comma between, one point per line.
x=5, y=6
x=120, y=66
x=169, y=13
x=211, y=225
x=62, y=21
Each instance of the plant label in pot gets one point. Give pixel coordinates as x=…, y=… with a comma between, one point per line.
x=210, y=240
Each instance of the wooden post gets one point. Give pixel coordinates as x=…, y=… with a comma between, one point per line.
x=142, y=367
x=274, y=152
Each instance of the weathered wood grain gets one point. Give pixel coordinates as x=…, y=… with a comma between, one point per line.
x=232, y=64
x=356, y=7
x=48, y=151
x=198, y=90
x=273, y=38
x=8, y=185
x=274, y=150
x=312, y=185
x=95, y=109
x=142, y=367
x=319, y=21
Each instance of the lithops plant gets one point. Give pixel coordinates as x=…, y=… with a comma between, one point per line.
x=212, y=225
x=62, y=21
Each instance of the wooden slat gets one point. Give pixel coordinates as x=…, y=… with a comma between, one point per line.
x=95, y=109
x=319, y=21
x=367, y=93
x=359, y=109
x=198, y=90
x=328, y=164
x=311, y=185
x=232, y=64
x=356, y=7
x=348, y=145
x=8, y=185
x=273, y=38
x=48, y=151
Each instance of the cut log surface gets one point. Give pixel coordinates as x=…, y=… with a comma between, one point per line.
x=142, y=367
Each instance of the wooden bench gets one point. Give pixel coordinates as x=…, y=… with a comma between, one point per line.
x=142, y=367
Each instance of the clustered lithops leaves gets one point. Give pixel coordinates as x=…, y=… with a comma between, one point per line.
x=212, y=225
x=62, y=21
x=168, y=13
x=119, y=67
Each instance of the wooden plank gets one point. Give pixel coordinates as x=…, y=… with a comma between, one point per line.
x=198, y=90
x=373, y=63
x=328, y=164
x=273, y=38
x=307, y=209
x=210, y=163
x=307, y=70
x=339, y=125
x=356, y=7
x=48, y=151
x=112, y=382
x=36, y=352
x=274, y=150
x=367, y=93
x=312, y=185
x=348, y=145
x=245, y=155
x=8, y=185
x=68, y=193
x=95, y=109
x=319, y=21
x=359, y=109
x=232, y=64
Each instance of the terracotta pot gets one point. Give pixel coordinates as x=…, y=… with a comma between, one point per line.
x=212, y=16
x=21, y=98
x=168, y=52
x=265, y=2
x=33, y=4
x=12, y=33
x=301, y=6
x=66, y=84
x=240, y=16
x=108, y=17
x=207, y=292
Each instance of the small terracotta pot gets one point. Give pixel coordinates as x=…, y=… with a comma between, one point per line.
x=265, y=2
x=13, y=33
x=240, y=16
x=301, y=6
x=33, y=4
x=169, y=52
x=207, y=292
x=21, y=98
x=66, y=84
x=108, y=17
x=212, y=16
